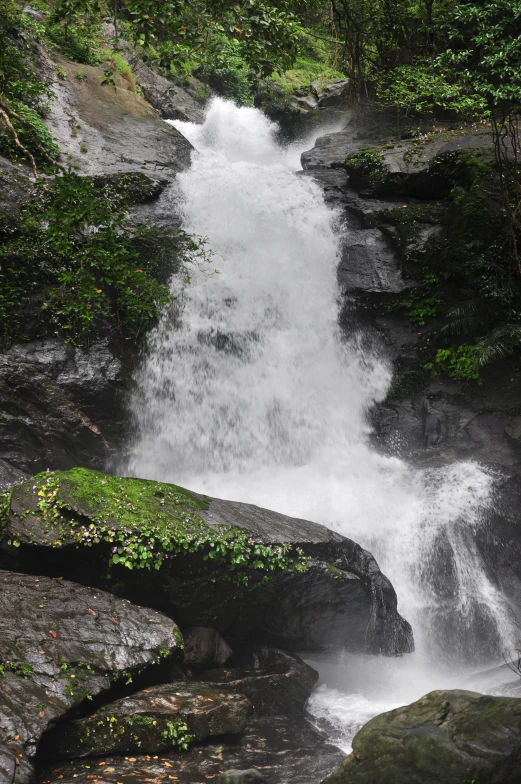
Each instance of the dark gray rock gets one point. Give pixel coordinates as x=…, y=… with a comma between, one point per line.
x=41, y=425
x=341, y=599
x=169, y=99
x=334, y=94
x=59, y=643
x=280, y=748
x=446, y=737
x=141, y=722
x=88, y=372
x=274, y=681
x=250, y=776
x=369, y=263
x=204, y=647
x=10, y=475
x=330, y=151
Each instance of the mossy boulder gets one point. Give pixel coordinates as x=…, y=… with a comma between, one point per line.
x=231, y=566
x=160, y=718
x=446, y=737
x=60, y=644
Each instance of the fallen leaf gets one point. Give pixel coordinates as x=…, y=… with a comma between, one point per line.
x=17, y=737
x=168, y=765
x=41, y=653
x=57, y=578
x=92, y=612
x=53, y=635
x=17, y=761
x=41, y=714
x=132, y=759
x=115, y=621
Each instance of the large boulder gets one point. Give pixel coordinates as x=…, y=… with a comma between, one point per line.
x=446, y=737
x=232, y=566
x=108, y=129
x=155, y=719
x=60, y=644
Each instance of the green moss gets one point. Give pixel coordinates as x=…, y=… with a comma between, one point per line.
x=146, y=522
x=366, y=168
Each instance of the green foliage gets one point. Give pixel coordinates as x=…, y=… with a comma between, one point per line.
x=74, y=264
x=23, y=96
x=461, y=363
x=176, y=735
x=146, y=523
x=421, y=89
x=366, y=167
x=22, y=669
x=226, y=70
x=79, y=41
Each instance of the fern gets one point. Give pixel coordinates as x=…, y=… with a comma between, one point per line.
x=501, y=342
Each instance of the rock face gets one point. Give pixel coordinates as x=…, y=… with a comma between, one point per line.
x=109, y=129
x=446, y=737
x=324, y=591
x=155, y=719
x=41, y=424
x=59, y=643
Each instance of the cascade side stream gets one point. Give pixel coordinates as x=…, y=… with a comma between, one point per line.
x=251, y=393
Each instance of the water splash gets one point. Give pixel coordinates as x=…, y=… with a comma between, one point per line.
x=255, y=396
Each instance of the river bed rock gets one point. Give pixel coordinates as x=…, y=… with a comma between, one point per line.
x=212, y=557
x=446, y=737
x=59, y=644
x=280, y=748
x=155, y=720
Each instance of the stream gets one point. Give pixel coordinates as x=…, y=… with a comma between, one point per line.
x=250, y=392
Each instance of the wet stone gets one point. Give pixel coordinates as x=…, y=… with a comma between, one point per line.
x=280, y=748
x=155, y=719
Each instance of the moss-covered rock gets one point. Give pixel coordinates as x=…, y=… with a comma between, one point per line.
x=155, y=719
x=215, y=563
x=446, y=737
x=366, y=168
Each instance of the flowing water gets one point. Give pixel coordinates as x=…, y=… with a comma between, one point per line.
x=251, y=393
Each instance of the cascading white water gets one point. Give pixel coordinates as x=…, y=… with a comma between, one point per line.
x=255, y=396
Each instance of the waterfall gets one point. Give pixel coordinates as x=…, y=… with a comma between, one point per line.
x=251, y=393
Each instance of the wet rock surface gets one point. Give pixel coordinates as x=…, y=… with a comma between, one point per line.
x=280, y=748
x=275, y=682
x=41, y=423
x=109, y=129
x=154, y=720
x=424, y=419
x=340, y=599
x=59, y=643
x=446, y=737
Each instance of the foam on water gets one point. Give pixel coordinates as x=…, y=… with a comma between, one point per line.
x=255, y=396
